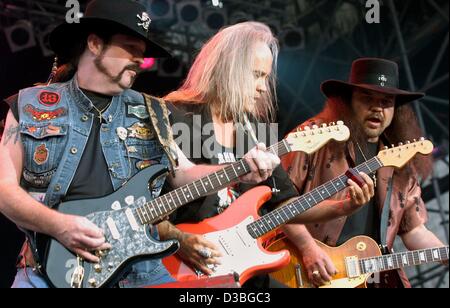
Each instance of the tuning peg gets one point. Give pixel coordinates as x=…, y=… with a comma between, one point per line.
x=400, y=144
x=315, y=127
x=422, y=139
x=386, y=148
x=414, y=140
x=324, y=125
x=340, y=122
x=299, y=129
x=392, y=145
x=307, y=128
x=408, y=142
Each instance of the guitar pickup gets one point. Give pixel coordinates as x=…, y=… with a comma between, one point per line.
x=113, y=228
x=352, y=267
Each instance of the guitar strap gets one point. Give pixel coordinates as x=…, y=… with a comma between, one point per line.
x=385, y=215
x=385, y=220
x=159, y=115
x=386, y=208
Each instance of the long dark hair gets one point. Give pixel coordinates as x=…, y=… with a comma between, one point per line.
x=404, y=127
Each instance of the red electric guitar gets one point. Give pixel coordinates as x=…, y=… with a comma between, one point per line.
x=239, y=231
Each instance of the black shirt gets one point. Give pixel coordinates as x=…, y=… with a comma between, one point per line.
x=91, y=178
x=366, y=221
x=212, y=153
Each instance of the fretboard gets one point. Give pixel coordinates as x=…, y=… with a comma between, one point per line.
x=161, y=207
x=403, y=259
x=289, y=211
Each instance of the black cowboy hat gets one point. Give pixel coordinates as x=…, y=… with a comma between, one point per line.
x=372, y=74
x=125, y=16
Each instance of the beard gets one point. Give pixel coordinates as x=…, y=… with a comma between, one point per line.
x=116, y=79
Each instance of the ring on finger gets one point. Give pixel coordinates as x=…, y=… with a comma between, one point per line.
x=205, y=253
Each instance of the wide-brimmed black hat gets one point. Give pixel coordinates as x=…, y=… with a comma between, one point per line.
x=125, y=16
x=378, y=75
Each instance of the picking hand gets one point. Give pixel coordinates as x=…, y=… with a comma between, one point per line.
x=261, y=164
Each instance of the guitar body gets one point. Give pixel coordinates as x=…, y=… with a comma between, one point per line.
x=242, y=254
x=130, y=241
x=360, y=246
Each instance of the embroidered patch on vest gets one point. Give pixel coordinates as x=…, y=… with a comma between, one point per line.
x=139, y=112
x=42, y=115
x=40, y=156
x=140, y=131
x=46, y=131
x=38, y=180
x=141, y=165
x=48, y=98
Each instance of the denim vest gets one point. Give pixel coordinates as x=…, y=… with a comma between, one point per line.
x=55, y=124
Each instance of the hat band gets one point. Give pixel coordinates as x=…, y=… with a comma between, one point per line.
x=385, y=81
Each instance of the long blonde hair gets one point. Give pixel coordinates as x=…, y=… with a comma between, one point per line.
x=222, y=74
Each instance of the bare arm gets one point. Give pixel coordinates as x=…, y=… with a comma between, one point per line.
x=318, y=265
x=190, y=247
x=421, y=238
x=261, y=166
x=74, y=232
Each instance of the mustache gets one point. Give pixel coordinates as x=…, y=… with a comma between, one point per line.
x=131, y=67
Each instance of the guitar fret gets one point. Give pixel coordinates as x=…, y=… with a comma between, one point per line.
x=217, y=176
x=411, y=260
x=293, y=210
x=196, y=189
x=390, y=262
x=168, y=202
x=155, y=209
x=204, y=188
x=210, y=182
x=178, y=197
x=138, y=211
x=150, y=210
x=289, y=207
x=437, y=253
x=326, y=190
x=318, y=198
x=283, y=211
x=184, y=195
x=164, y=204
x=147, y=213
x=405, y=259
x=243, y=166
x=237, y=175
x=226, y=175
x=308, y=199
x=189, y=192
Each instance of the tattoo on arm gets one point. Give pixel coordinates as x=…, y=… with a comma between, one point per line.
x=12, y=133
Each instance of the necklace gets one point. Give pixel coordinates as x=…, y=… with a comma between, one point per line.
x=374, y=176
x=100, y=112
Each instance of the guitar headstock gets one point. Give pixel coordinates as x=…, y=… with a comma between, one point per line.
x=403, y=153
x=311, y=139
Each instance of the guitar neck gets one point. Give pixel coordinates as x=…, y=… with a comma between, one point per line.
x=161, y=207
x=403, y=259
x=284, y=214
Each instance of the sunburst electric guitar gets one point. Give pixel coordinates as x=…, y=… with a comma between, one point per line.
x=124, y=216
x=239, y=231
x=355, y=261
